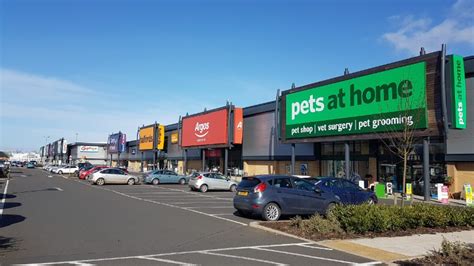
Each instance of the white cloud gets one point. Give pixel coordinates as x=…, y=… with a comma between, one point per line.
x=20, y=84
x=33, y=106
x=456, y=29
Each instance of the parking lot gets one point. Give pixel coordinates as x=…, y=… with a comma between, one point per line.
x=216, y=204
x=65, y=220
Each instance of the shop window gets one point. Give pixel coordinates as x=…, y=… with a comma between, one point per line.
x=327, y=149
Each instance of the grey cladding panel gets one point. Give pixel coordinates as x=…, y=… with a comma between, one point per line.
x=259, y=139
x=462, y=141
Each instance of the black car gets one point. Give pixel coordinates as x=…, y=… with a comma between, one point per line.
x=347, y=191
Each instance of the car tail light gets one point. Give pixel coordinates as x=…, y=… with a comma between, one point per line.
x=199, y=177
x=260, y=187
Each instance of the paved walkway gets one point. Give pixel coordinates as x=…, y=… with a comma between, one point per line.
x=389, y=249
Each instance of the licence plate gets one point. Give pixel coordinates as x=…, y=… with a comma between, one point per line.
x=242, y=193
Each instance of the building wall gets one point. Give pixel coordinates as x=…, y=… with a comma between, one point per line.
x=279, y=167
x=462, y=173
x=461, y=141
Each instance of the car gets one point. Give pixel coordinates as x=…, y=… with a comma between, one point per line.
x=84, y=166
x=271, y=196
x=85, y=173
x=66, y=169
x=211, y=181
x=53, y=168
x=30, y=165
x=113, y=176
x=347, y=191
x=165, y=177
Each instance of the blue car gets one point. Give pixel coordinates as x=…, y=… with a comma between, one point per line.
x=165, y=177
x=346, y=191
x=271, y=196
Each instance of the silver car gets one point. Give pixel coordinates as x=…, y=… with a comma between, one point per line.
x=211, y=181
x=113, y=176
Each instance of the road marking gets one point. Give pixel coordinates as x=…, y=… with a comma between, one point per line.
x=197, y=202
x=166, y=204
x=307, y=246
x=303, y=255
x=212, y=207
x=58, y=189
x=241, y=257
x=23, y=175
x=369, y=263
x=3, y=198
x=50, y=176
x=193, y=193
x=170, y=254
x=167, y=261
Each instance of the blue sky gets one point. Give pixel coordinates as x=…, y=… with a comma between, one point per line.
x=97, y=67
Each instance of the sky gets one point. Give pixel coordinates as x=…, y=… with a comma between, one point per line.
x=81, y=70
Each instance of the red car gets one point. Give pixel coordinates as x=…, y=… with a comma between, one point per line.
x=84, y=173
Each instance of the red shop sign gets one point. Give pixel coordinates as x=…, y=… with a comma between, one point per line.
x=206, y=129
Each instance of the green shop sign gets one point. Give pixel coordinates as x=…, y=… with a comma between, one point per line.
x=381, y=102
x=459, y=92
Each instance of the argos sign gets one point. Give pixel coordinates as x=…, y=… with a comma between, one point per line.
x=205, y=129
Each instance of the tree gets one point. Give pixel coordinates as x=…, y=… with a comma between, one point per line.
x=399, y=135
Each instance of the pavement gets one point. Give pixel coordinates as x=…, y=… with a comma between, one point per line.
x=389, y=249
x=53, y=219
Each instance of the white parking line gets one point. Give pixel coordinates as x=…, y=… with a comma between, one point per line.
x=307, y=246
x=303, y=255
x=165, y=204
x=3, y=199
x=197, y=202
x=241, y=257
x=165, y=260
x=210, y=207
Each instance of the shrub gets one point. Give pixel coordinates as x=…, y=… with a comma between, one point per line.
x=316, y=224
x=381, y=218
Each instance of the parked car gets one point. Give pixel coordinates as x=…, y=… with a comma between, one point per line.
x=165, y=177
x=113, y=176
x=211, y=181
x=30, y=165
x=83, y=174
x=53, y=168
x=67, y=169
x=271, y=196
x=347, y=191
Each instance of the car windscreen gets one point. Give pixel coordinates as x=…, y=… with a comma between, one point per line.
x=249, y=182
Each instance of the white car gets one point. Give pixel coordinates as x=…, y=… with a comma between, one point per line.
x=113, y=176
x=211, y=181
x=66, y=169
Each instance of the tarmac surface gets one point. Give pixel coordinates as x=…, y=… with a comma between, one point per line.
x=53, y=219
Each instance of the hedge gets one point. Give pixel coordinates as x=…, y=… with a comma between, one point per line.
x=382, y=218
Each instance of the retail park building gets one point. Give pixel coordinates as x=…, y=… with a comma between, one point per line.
x=321, y=129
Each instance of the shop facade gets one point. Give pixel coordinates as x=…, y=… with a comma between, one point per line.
x=351, y=136
x=95, y=153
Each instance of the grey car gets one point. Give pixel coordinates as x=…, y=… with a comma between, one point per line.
x=211, y=181
x=271, y=196
x=165, y=177
x=113, y=176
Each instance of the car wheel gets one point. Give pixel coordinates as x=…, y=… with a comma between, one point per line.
x=60, y=172
x=155, y=181
x=100, y=182
x=182, y=181
x=330, y=207
x=131, y=182
x=203, y=188
x=271, y=212
x=370, y=201
x=233, y=188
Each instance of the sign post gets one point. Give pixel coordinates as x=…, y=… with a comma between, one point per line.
x=468, y=192
x=409, y=191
